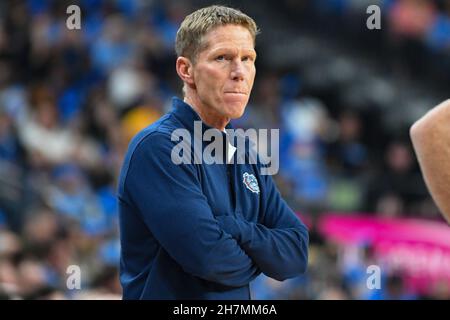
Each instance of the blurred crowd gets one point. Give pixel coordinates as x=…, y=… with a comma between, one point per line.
x=343, y=98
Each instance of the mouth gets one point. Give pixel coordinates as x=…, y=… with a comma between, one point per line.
x=236, y=92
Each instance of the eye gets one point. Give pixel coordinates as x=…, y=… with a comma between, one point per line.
x=247, y=58
x=220, y=58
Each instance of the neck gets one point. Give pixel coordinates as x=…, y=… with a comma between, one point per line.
x=207, y=114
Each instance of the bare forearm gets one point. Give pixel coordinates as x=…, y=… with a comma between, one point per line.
x=431, y=140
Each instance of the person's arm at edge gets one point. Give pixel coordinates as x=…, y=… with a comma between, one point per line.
x=430, y=136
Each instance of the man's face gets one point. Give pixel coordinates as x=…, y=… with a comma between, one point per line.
x=225, y=70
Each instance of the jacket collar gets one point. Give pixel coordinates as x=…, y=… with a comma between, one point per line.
x=187, y=116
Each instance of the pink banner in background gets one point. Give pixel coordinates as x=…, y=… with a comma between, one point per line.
x=419, y=248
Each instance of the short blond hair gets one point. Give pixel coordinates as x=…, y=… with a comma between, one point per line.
x=189, y=39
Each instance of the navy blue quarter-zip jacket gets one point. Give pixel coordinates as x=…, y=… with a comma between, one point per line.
x=200, y=231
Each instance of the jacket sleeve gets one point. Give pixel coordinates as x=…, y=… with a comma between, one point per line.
x=170, y=200
x=279, y=243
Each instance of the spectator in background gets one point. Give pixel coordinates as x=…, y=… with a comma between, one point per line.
x=395, y=191
x=347, y=159
x=301, y=154
x=409, y=22
x=61, y=144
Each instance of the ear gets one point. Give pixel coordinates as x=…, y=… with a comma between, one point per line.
x=185, y=70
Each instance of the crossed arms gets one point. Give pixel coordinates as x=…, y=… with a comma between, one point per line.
x=226, y=249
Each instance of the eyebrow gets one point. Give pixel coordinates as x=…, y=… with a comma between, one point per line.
x=252, y=51
x=221, y=49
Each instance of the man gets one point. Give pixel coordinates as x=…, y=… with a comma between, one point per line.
x=431, y=140
x=204, y=231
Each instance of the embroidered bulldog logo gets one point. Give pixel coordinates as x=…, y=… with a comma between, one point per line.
x=250, y=182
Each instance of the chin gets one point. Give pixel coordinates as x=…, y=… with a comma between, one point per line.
x=236, y=109
x=235, y=113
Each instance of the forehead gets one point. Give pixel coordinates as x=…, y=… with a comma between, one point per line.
x=229, y=35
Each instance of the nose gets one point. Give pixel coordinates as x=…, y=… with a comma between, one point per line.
x=237, y=71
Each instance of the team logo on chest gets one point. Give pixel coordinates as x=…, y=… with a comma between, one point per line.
x=250, y=182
